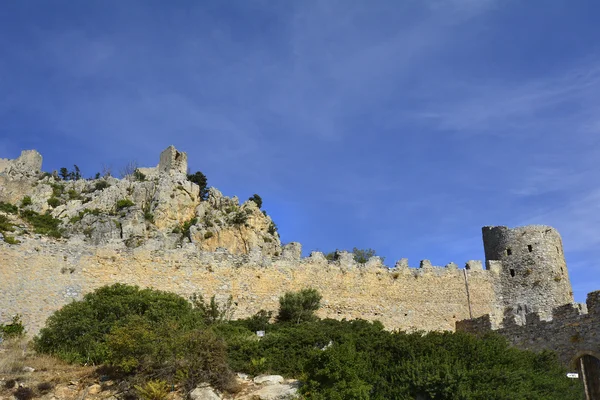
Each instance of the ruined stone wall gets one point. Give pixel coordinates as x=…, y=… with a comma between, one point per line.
x=29, y=162
x=572, y=332
x=39, y=276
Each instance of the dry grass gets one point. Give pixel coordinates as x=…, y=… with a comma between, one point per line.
x=12, y=356
x=15, y=354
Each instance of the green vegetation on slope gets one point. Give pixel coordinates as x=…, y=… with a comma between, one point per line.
x=149, y=334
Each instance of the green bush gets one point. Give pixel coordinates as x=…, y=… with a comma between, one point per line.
x=238, y=218
x=436, y=365
x=11, y=240
x=208, y=235
x=11, y=208
x=57, y=189
x=124, y=203
x=272, y=228
x=139, y=176
x=5, y=224
x=143, y=331
x=44, y=224
x=185, y=229
x=148, y=216
x=53, y=202
x=257, y=199
x=200, y=179
x=73, y=195
x=213, y=312
x=155, y=389
x=83, y=213
x=299, y=306
x=101, y=185
x=14, y=329
x=77, y=332
x=361, y=256
x=170, y=351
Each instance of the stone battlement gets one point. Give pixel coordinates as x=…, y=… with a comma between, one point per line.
x=572, y=330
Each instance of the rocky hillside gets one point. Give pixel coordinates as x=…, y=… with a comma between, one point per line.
x=157, y=208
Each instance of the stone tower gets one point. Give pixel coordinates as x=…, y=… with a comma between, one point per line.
x=533, y=271
x=172, y=161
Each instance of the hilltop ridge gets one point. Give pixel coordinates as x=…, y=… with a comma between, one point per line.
x=157, y=207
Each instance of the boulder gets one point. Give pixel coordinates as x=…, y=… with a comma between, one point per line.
x=94, y=389
x=204, y=393
x=268, y=380
x=285, y=391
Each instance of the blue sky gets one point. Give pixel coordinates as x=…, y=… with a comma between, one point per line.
x=403, y=126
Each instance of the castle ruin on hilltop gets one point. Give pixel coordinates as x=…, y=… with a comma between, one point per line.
x=153, y=229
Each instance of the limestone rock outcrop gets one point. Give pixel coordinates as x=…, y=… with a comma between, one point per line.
x=156, y=207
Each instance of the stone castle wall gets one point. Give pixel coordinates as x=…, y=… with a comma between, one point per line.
x=39, y=276
x=571, y=333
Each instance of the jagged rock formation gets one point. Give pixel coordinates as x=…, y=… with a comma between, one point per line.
x=157, y=208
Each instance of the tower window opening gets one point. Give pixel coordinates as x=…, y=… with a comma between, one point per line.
x=508, y=252
x=512, y=272
x=557, y=250
x=530, y=248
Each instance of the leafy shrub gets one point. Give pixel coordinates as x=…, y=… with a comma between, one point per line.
x=101, y=185
x=124, y=203
x=361, y=256
x=213, y=312
x=437, y=365
x=53, y=202
x=238, y=218
x=9, y=384
x=139, y=176
x=185, y=229
x=65, y=174
x=200, y=179
x=83, y=213
x=259, y=321
x=14, y=329
x=299, y=306
x=332, y=255
x=11, y=208
x=26, y=201
x=257, y=199
x=153, y=390
x=77, y=332
x=11, y=240
x=5, y=224
x=24, y=393
x=208, y=235
x=272, y=228
x=73, y=195
x=170, y=351
x=148, y=216
x=44, y=224
x=57, y=189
